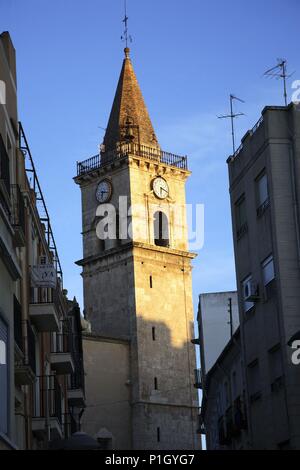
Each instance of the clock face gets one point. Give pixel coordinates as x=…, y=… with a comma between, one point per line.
x=160, y=188
x=103, y=191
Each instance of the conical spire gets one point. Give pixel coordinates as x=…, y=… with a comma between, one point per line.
x=129, y=120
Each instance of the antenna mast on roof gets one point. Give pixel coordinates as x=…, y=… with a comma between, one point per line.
x=126, y=37
x=232, y=117
x=280, y=71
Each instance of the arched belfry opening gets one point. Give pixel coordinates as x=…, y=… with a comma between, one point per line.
x=161, y=229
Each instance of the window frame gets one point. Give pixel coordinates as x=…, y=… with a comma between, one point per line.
x=269, y=259
x=241, y=225
x=161, y=228
x=256, y=391
x=250, y=306
x=261, y=206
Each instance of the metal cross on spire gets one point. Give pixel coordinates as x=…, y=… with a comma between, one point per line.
x=126, y=37
x=232, y=116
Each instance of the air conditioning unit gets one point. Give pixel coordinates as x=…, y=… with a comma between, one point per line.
x=251, y=292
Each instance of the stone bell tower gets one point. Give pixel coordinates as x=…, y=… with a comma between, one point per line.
x=137, y=281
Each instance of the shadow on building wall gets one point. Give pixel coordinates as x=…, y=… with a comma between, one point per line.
x=142, y=397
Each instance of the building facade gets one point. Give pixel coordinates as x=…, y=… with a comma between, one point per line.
x=40, y=330
x=223, y=411
x=10, y=269
x=264, y=178
x=218, y=319
x=137, y=281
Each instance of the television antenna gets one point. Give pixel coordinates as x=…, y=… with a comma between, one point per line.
x=280, y=72
x=232, y=116
x=126, y=37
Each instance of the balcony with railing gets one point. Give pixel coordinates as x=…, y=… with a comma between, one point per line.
x=47, y=407
x=44, y=309
x=131, y=149
x=18, y=215
x=76, y=395
x=62, y=354
x=18, y=328
x=25, y=360
x=4, y=173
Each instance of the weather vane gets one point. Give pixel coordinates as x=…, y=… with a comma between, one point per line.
x=126, y=37
x=232, y=116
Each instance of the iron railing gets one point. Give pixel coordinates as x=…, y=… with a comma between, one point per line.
x=77, y=378
x=47, y=398
x=18, y=329
x=150, y=153
x=61, y=343
x=45, y=295
x=29, y=351
x=251, y=132
x=4, y=165
x=31, y=348
x=18, y=207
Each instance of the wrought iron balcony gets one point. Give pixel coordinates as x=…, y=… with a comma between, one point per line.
x=76, y=396
x=4, y=166
x=31, y=348
x=62, y=354
x=18, y=215
x=44, y=310
x=18, y=330
x=25, y=360
x=149, y=153
x=47, y=407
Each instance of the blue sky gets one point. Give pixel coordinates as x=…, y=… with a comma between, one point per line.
x=189, y=55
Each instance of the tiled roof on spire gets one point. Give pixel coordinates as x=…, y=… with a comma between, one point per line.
x=129, y=119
